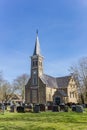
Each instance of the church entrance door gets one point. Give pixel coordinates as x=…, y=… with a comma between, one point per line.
x=57, y=100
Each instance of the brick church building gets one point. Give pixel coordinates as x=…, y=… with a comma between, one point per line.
x=42, y=88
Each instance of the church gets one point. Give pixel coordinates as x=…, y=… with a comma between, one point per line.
x=42, y=88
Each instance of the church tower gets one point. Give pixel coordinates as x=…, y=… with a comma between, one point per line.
x=36, y=71
x=36, y=63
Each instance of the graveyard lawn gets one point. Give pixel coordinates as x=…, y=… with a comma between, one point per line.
x=44, y=121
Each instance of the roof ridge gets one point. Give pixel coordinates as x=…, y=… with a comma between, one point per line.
x=64, y=76
x=50, y=76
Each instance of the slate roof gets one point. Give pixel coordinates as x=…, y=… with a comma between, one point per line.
x=63, y=81
x=61, y=92
x=59, y=82
x=49, y=81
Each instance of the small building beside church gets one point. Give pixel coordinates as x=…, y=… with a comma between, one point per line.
x=43, y=89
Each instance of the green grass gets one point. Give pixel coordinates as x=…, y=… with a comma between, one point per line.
x=44, y=121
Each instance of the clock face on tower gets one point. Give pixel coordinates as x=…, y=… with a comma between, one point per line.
x=34, y=72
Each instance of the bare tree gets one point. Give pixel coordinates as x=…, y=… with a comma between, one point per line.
x=19, y=84
x=1, y=77
x=79, y=70
x=5, y=89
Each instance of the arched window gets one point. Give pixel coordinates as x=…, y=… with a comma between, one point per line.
x=34, y=80
x=57, y=100
x=36, y=63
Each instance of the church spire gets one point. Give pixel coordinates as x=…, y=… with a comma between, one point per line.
x=37, y=46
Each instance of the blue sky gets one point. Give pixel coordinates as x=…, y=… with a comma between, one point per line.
x=62, y=26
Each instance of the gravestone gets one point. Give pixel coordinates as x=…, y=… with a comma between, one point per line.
x=20, y=109
x=62, y=107
x=55, y=108
x=66, y=108
x=86, y=105
x=28, y=108
x=79, y=108
x=73, y=107
x=12, y=108
x=42, y=107
x=0, y=107
x=36, y=109
x=49, y=107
